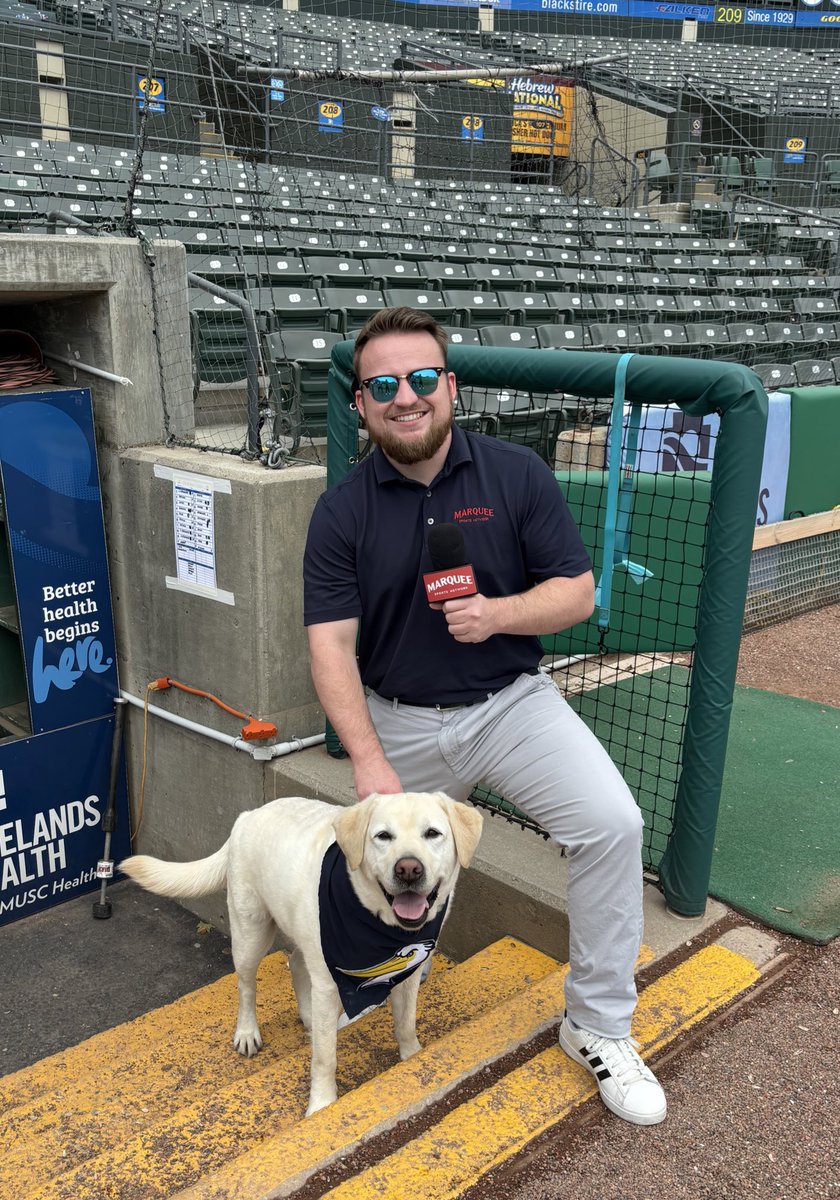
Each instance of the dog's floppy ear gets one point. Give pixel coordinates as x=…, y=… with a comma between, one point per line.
x=466, y=823
x=351, y=825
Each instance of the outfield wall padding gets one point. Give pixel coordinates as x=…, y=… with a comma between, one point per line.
x=814, y=474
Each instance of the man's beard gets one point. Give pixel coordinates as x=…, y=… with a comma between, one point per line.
x=418, y=450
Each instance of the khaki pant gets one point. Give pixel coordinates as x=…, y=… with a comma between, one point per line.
x=526, y=744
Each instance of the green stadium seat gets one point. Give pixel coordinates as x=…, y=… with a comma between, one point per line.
x=536, y=427
x=711, y=339
x=534, y=276
x=437, y=274
x=426, y=299
x=663, y=337
x=394, y=272
x=516, y=337
x=526, y=308
x=812, y=372
x=563, y=337
x=335, y=270
x=462, y=335
x=475, y=308
x=298, y=362
x=775, y=376
x=614, y=335
x=298, y=308
x=350, y=307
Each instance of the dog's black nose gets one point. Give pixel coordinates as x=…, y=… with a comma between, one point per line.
x=409, y=870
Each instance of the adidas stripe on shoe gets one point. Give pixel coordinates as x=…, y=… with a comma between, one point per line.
x=628, y=1088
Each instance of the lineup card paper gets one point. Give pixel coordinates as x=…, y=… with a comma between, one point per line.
x=194, y=524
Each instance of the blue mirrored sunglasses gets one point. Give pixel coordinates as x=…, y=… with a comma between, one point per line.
x=383, y=388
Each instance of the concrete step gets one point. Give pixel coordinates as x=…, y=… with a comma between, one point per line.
x=167, y=1099
x=162, y=1107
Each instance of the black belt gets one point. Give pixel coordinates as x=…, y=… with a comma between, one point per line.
x=441, y=707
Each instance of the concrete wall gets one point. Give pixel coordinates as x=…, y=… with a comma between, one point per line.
x=92, y=299
x=625, y=127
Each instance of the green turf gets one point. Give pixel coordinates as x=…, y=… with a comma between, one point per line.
x=777, y=851
x=777, y=848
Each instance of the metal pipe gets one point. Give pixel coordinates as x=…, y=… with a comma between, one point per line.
x=80, y=366
x=429, y=75
x=261, y=753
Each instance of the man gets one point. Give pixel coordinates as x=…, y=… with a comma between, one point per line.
x=443, y=696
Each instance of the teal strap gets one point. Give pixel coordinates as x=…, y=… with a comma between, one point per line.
x=619, y=498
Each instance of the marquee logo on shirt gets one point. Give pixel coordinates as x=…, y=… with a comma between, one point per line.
x=405, y=959
x=476, y=513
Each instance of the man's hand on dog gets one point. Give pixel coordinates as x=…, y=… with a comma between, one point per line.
x=379, y=776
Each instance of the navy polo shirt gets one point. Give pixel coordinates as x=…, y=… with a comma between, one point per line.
x=366, y=554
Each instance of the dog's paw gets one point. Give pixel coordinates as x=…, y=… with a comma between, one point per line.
x=410, y=1048
x=316, y=1103
x=247, y=1041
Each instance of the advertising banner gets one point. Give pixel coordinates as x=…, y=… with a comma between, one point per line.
x=53, y=791
x=820, y=13
x=542, y=115
x=57, y=541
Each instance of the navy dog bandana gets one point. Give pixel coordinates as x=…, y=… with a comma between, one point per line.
x=366, y=957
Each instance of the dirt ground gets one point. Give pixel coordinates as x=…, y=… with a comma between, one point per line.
x=799, y=657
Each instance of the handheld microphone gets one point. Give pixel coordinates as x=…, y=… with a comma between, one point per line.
x=452, y=577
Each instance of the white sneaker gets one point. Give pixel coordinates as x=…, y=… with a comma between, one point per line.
x=627, y=1086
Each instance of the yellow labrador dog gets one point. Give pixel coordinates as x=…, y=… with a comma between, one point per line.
x=360, y=893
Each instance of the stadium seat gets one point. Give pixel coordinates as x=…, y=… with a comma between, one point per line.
x=776, y=376
x=728, y=174
x=350, y=307
x=278, y=269
x=434, y=273
x=298, y=362
x=785, y=336
x=563, y=337
x=516, y=337
x=463, y=336
x=535, y=276
x=393, y=272
x=491, y=274
x=537, y=428
x=760, y=180
x=663, y=338
x=815, y=306
x=813, y=371
x=747, y=335
x=298, y=308
x=568, y=307
x=476, y=308
x=613, y=336
x=526, y=308
x=711, y=339
x=335, y=270
x=437, y=303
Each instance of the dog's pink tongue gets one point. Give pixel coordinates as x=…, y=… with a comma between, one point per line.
x=409, y=905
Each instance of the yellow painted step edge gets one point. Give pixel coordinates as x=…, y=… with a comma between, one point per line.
x=374, y=1107
x=499, y=1123
x=167, y=1084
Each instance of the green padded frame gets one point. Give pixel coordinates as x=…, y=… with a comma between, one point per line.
x=700, y=387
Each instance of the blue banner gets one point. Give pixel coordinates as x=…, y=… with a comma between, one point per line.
x=472, y=128
x=720, y=14
x=151, y=93
x=330, y=116
x=53, y=792
x=57, y=540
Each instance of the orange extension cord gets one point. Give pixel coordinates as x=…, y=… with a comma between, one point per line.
x=254, y=730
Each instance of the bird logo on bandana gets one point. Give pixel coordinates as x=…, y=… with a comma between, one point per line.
x=406, y=959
